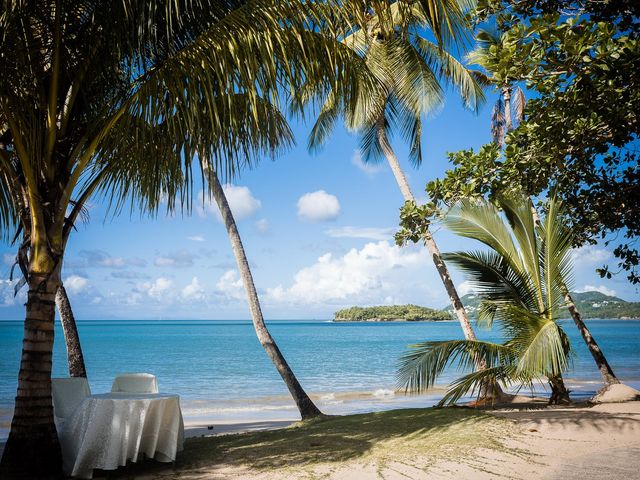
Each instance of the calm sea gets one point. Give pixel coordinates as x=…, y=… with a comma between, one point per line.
x=222, y=374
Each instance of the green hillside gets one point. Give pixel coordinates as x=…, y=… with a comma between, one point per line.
x=387, y=313
x=590, y=305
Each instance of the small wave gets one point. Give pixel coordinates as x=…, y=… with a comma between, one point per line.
x=384, y=392
x=328, y=396
x=257, y=408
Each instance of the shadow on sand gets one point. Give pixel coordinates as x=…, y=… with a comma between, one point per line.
x=333, y=439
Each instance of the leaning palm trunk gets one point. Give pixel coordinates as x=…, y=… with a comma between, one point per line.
x=305, y=405
x=494, y=391
x=32, y=449
x=75, y=358
x=604, y=368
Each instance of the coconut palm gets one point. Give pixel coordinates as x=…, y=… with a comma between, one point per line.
x=305, y=405
x=75, y=357
x=116, y=99
x=520, y=282
x=495, y=53
x=410, y=69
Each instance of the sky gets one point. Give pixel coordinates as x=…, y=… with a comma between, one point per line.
x=317, y=229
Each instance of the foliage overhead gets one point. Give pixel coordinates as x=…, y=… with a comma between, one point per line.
x=580, y=134
x=411, y=71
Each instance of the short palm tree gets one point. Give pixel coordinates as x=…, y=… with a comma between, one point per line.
x=119, y=99
x=410, y=69
x=519, y=280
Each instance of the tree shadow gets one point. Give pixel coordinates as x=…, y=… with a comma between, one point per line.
x=580, y=416
x=329, y=440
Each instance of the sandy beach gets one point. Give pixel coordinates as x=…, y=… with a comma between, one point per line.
x=523, y=442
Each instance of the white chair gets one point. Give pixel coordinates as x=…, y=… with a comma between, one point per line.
x=67, y=395
x=135, y=383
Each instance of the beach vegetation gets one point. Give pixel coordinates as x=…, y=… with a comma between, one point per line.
x=520, y=283
x=580, y=127
x=410, y=313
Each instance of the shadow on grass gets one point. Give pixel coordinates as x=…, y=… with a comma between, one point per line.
x=334, y=439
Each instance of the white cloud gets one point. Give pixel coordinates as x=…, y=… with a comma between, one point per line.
x=368, y=168
x=598, y=288
x=76, y=283
x=318, y=206
x=7, y=291
x=160, y=288
x=230, y=284
x=179, y=259
x=465, y=288
x=370, y=233
x=241, y=201
x=262, y=226
x=101, y=259
x=590, y=255
x=193, y=291
x=370, y=275
x=196, y=238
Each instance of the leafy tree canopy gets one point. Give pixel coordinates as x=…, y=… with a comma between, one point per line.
x=580, y=134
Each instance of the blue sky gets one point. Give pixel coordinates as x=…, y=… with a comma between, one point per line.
x=318, y=231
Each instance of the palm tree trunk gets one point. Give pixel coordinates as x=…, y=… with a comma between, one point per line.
x=506, y=97
x=305, y=405
x=559, y=392
x=32, y=449
x=75, y=358
x=604, y=368
x=433, y=249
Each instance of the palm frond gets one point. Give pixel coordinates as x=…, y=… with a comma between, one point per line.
x=419, y=368
x=517, y=210
x=555, y=255
x=495, y=279
x=447, y=67
x=481, y=221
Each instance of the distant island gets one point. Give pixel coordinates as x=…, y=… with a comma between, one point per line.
x=391, y=313
x=589, y=304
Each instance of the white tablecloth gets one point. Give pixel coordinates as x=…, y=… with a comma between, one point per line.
x=108, y=429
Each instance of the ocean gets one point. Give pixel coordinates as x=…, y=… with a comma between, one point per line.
x=222, y=374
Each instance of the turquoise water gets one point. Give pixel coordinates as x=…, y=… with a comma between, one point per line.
x=221, y=372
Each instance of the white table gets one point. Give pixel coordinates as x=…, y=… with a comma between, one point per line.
x=108, y=429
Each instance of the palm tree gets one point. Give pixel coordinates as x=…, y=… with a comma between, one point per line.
x=520, y=281
x=305, y=405
x=116, y=98
x=75, y=357
x=493, y=53
x=409, y=68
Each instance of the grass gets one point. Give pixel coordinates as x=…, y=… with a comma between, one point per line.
x=414, y=438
